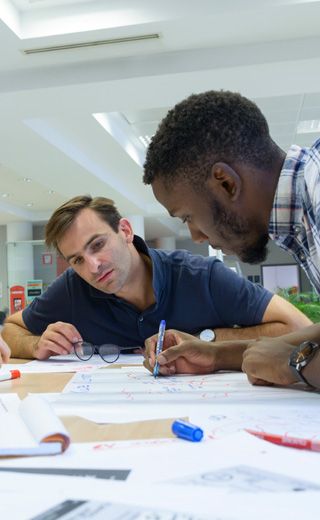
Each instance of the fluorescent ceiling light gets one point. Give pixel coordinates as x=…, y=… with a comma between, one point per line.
x=311, y=126
x=118, y=127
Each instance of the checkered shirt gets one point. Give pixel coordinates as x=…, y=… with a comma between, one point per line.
x=295, y=218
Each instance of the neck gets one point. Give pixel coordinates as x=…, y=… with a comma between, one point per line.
x=139, y=291
x=263, y=181
x=273, y=179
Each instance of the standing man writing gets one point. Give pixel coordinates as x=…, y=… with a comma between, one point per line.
x=213, y=164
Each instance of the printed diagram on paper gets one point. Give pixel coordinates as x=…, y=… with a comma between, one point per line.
x=80, y=509
x=247, y=479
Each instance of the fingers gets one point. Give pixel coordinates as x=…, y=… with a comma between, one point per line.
x=139, y=350
x=5, y=351
x=256, y=381
x=164, y=370
x=252, y=370
x=58, y=339
x=171, y=338
x=167, y=370
x=49, y=348
x=150, y=349
x=67, y=330
x=147, y=365
x=170, y=355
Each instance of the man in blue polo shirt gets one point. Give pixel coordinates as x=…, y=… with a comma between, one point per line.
x=117, y=290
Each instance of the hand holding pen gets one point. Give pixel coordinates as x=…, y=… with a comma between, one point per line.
x=162, y=329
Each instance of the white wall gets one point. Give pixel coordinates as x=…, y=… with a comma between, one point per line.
x=3, y=267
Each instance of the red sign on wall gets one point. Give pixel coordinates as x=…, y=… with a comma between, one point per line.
x=46, y=258
x=17, y=298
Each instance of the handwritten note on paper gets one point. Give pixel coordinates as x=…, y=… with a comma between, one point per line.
x=282, y=418
x=71, y=363
x=140, y=386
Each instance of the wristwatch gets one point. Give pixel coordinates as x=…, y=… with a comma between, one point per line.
x=301, y=356
x=207, y=335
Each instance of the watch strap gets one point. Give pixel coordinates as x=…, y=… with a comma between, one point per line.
x=297, y=365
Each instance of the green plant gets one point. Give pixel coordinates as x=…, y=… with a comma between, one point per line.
x=308, y=303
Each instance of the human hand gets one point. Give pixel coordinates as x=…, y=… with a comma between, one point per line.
x=172, y=337
x=57, y=339
x=182, y=353
x=5, y=351
x=266, y=362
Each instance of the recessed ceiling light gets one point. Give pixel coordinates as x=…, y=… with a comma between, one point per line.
x=26, y=179
x=51, y=192
x=29, y=204
x=4, y=195
x=310, y=126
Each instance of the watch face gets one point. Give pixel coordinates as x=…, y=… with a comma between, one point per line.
x=207, y=335
x=306, y=349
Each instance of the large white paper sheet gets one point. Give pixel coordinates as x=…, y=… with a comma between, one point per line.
x=141, y=387
x=226, y=480
x=111, y=501
x=277, y=418
x=182, y=462
x=71, y=363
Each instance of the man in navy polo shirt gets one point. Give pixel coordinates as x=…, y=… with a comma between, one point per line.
x=117, y=290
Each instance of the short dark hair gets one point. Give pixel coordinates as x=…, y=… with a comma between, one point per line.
x=64, y=216
x=207, y=128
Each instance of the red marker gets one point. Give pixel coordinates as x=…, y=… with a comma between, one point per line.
x=9, y=374
x=286, y=440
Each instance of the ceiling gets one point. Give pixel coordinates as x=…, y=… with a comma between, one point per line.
x=71, y=118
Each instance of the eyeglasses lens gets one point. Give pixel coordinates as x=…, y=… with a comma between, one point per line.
x=84, y=350
x=109, y=353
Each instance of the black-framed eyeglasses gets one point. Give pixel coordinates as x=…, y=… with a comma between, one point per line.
x=108, y=352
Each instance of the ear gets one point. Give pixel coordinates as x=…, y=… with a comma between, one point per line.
x=125, y=227
x=225, y=179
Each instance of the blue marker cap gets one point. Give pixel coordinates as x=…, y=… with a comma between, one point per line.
x=187, y=431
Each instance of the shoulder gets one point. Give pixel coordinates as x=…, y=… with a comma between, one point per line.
x=181, y=258
x=315, y=148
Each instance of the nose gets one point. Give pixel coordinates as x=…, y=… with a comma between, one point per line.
x=93, y=263
x=197, y=236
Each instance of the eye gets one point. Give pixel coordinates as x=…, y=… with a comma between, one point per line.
x=185, y=219
x=77, y=261
x=98, y=244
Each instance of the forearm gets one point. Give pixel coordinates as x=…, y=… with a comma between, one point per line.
x=229, y=357
x=311, y=333
x=21, y=342
x=271, y=329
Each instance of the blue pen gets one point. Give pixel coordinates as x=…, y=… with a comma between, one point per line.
x=162, y=329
